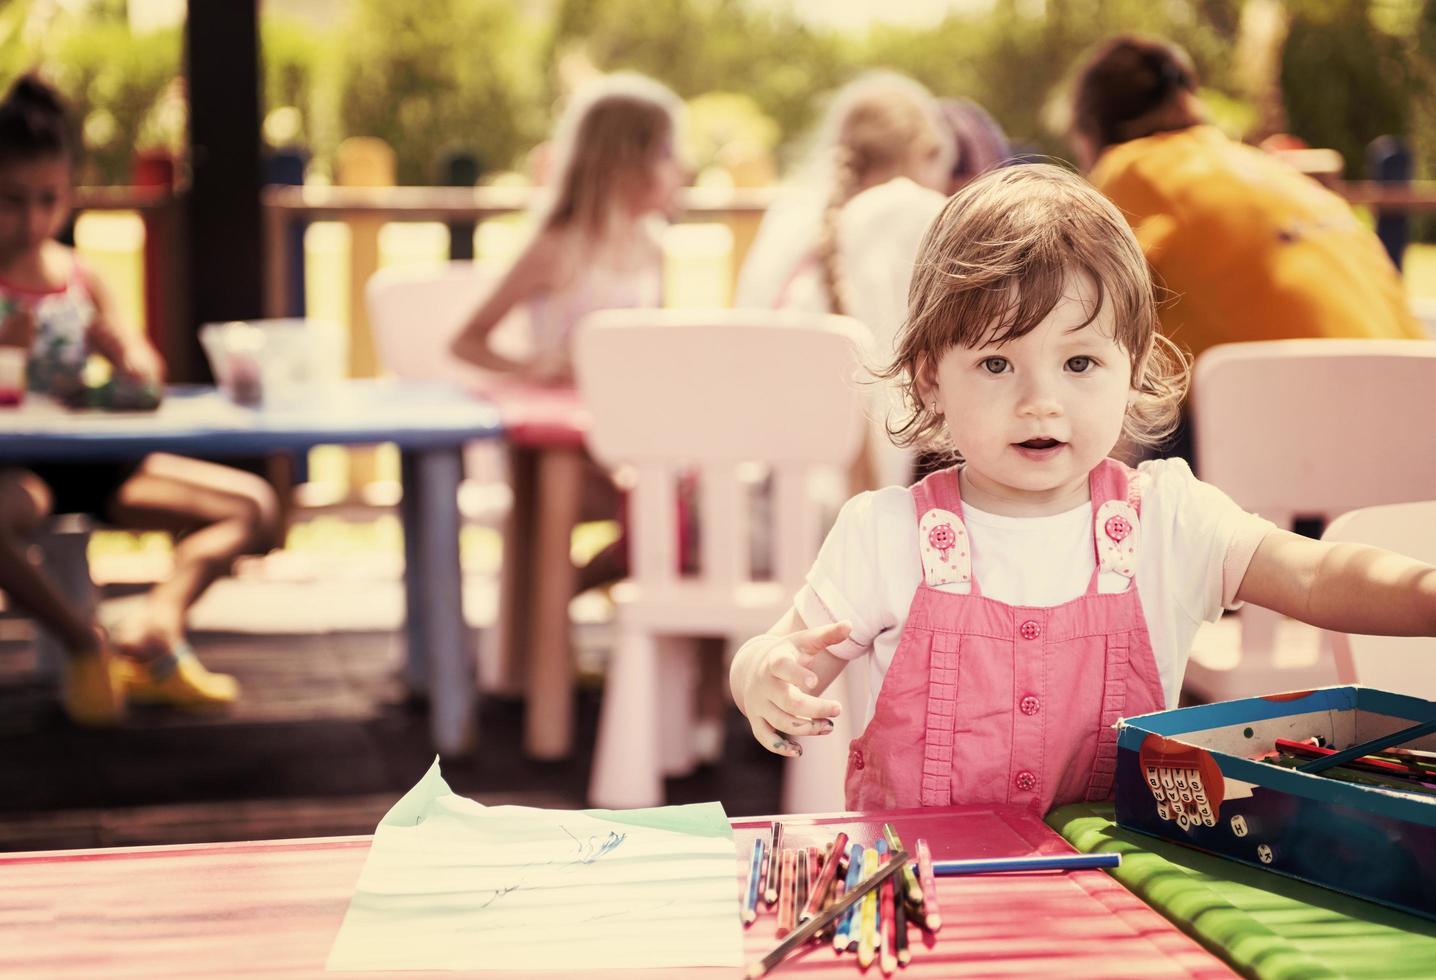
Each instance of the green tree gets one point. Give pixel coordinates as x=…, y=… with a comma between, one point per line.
x=1344, y=81
x=441, y=75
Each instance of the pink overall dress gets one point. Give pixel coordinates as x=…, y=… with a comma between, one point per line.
x=990, y=703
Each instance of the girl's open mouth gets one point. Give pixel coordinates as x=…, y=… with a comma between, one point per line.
x=1039, y=449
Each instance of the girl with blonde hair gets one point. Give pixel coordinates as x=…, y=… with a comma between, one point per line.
x=596, y=246
x=881, y=130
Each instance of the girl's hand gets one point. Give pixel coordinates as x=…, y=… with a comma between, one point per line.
x=774, y=693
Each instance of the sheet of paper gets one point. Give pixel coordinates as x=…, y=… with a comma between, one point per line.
x=450, y=884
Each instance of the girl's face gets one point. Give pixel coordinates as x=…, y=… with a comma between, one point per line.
x=1034, y=416
x=929, y=164
x=658, y=191
x=34, y=202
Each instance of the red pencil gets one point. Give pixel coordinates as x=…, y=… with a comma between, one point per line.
x=933, y=919
x=887, y=953
x=818, y=895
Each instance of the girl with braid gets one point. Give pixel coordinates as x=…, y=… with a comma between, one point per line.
x=843, y=240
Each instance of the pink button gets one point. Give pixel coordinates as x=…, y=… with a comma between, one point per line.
x=1025, y=781
x=857, y=759
x=1030, y=630
x=1030, y=705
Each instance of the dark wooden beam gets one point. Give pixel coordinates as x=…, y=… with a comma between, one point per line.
x=224, y=228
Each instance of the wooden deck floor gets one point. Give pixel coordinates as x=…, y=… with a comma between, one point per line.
x=322, y=743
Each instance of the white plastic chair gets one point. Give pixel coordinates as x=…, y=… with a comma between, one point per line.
x=414, y=315
x=1406, y=664
x=1308, y=429
x=712, y=392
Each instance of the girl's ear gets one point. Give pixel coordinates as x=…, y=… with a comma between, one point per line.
x=925, y=378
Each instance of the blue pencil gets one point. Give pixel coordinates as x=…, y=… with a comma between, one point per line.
x=755, y=873
x=855, y=874
x=1050, y=862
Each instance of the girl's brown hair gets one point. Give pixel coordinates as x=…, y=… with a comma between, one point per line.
x=1131, y=87
x=879, y=122
x=606, y=144
x=994, y=264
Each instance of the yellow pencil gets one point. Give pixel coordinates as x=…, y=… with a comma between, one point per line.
x=868, y=921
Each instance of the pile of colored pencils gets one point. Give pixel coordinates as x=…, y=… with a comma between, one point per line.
x=861, y=899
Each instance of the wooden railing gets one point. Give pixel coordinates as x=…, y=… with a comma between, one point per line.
x=366, y=209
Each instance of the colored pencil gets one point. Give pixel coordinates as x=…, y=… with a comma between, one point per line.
x=887, y=934
x=775, y=863
x=1045, y=862
x=800, y=881
x=816, y=924
x=786, y=892
x=933, y=917
x=913, y=889
x=904, y=955
x=1369, y=746
x=855, y=874
x=818, y=894
x=868, y=919
x=755, y=872
x=815, y=865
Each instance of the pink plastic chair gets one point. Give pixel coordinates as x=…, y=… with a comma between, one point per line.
x=1308, y=428
x=712, y=392
x=1406, y=664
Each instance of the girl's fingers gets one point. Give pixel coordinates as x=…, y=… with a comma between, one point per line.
x=793, y=668
x=790, y=724
x=819, y=638
x=795, y=702
x=773, y=740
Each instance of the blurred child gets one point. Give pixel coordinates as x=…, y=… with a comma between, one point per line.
x=1009, y=609
x=60, y=313
x=882, y=130
x=615, y=169
x=841, y=239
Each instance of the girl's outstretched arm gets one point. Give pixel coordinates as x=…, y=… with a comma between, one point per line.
x=532, y=272
x=776, y=679
x=1349, y=588
x=129, y=351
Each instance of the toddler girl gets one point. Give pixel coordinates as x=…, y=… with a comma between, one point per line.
x=1011, y=608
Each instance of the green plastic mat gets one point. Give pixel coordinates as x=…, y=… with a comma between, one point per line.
x=1262, y=924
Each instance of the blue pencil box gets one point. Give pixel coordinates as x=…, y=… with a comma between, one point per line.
x=1186, y=775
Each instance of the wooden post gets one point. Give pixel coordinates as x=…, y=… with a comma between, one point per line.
x=460, y=169
x=363, y=161
x=1388, y=160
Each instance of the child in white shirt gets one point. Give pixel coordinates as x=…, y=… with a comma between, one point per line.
x=1012, y=607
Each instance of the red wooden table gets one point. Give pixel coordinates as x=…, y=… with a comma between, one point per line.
x=272, y=909
x=544, y=428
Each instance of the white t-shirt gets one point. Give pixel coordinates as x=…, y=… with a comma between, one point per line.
x=1194, y=550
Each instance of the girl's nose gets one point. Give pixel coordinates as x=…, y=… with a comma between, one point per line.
x=1038, y=400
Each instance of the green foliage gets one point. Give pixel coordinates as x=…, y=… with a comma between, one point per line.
x=442, y=75
x=112, y=78
x=1344, y=81
x=699, y=46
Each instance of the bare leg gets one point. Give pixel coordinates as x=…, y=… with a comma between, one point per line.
x=215, y=512
x=24, y=504
x=93, y=685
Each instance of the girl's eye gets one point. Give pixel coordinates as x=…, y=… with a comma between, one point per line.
x=994, y=365
x=1079, y=365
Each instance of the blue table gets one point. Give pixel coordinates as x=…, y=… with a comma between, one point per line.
x=429, y=422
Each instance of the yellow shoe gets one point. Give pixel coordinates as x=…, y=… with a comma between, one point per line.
x=181, y=681
x=93, y=689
